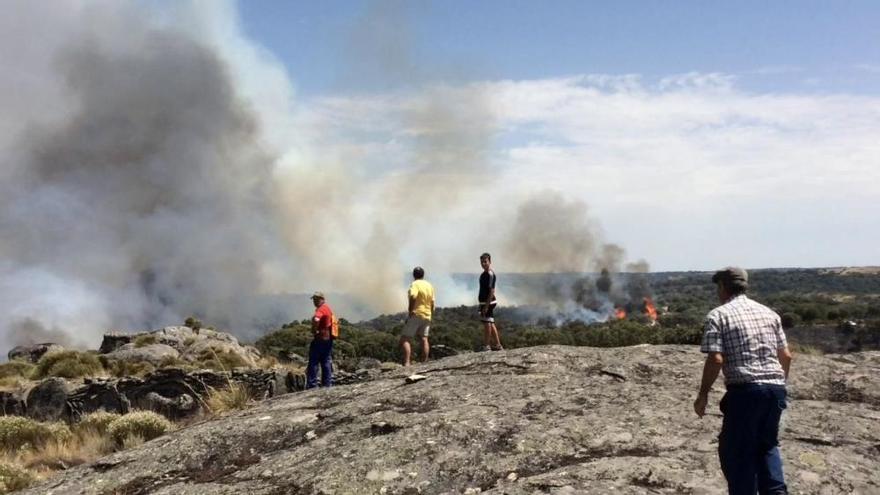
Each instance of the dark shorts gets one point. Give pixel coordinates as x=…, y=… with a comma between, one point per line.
x=489, y=315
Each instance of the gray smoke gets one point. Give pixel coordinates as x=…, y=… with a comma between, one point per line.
x=148, y=200
x=139, y=184
x=588, y=281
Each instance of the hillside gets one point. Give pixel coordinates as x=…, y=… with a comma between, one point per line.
x=549, y=419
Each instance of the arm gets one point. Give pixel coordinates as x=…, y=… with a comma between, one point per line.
x=711, y=368
x=412, y=305
x=784, y=356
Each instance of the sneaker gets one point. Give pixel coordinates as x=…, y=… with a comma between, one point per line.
x=485, y=348
x=499, y=348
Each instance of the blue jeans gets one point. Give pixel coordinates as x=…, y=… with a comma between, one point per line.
x=748, y=446
x=320, y=354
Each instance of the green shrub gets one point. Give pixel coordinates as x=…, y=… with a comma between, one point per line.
x=14, y=478
x=145, y=340
x=14, y=369
x=17, y=432
x=68, y=364
x=97, y=422
x=145, y=424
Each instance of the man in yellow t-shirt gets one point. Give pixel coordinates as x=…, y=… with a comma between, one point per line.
x=418, y=322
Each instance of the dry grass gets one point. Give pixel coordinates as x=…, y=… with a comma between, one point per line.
x=235, y=396
x=145, y=424
x=806, y=350
x=21, y=467
x=68, y=364
x=81, y=449
x=13, y=477
x=95, y=423
x=145, y=340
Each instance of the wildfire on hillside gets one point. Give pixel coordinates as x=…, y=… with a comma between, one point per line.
x=651, y=310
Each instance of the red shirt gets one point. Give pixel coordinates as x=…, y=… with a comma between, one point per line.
x=324, y=319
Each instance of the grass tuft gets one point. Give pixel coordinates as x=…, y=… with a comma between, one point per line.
x=235, y=396
x=14, y=477
x=19, y=433
x=68, y=364
x=145, y=340
x=145, y=424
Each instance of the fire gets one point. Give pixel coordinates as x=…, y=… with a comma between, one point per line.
x=619, y=313
x=650, y=310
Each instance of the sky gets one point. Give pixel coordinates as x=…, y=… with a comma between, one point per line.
x=161, y=159
x=698, y=133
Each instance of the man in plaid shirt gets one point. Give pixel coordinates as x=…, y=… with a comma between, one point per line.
x=745, y=340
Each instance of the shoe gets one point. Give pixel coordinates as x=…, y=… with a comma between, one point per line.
x=485, y=348
x=499, y=348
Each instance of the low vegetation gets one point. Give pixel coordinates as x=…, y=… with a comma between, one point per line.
x=14, y=477
x=233, y=397
x=145, y=425
x=68, y=364
x=30, y=450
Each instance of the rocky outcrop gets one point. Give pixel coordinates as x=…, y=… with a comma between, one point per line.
x=536, y=420
x=182, y=342
x=155, y=354
x=32, y=353
x=172, y=392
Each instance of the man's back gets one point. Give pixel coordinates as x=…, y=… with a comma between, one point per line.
x=422, y=292
x=749, y=336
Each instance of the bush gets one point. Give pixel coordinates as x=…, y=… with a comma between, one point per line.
x=144, y=424
x=145, y=340
x=17, y=432
x=68, y=364
x=15, y=373
x=123, y=367
x=96, y=422
x=14, y=477
x=14, y=369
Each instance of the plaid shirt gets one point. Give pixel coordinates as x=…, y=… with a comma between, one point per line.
x=748, y=334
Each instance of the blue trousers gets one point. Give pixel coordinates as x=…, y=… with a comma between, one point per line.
x=320, y=355
x=748, y=446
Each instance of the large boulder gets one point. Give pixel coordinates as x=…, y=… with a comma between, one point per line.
x=552, y=419
x=155, y=354
x=100, y=394
x=32, y=353
x=47, y=401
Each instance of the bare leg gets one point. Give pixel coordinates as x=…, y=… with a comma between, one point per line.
x=426, y=348
x=406, y=349
x=487, y=333
x=496, y=337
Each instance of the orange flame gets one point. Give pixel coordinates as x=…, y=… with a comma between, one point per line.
x=650, y=309
x=619, y=313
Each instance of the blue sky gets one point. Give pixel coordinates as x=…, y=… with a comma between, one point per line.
x=772, y=46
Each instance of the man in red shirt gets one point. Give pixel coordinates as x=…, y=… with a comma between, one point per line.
x=321, y=348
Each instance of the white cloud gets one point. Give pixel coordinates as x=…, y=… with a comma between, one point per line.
x=674, y=157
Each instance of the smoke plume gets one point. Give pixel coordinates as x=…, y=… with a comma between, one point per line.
x=154, y=164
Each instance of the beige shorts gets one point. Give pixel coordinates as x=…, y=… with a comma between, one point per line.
x=416, y=326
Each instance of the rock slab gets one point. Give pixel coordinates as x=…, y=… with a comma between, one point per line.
x=551, y=420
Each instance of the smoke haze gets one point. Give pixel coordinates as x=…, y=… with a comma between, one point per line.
x=154, y=165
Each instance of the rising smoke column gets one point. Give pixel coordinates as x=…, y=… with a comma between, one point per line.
x=149, y=199
x=553, y=235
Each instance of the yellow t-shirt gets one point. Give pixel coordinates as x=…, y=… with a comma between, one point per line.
x=423, y=293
